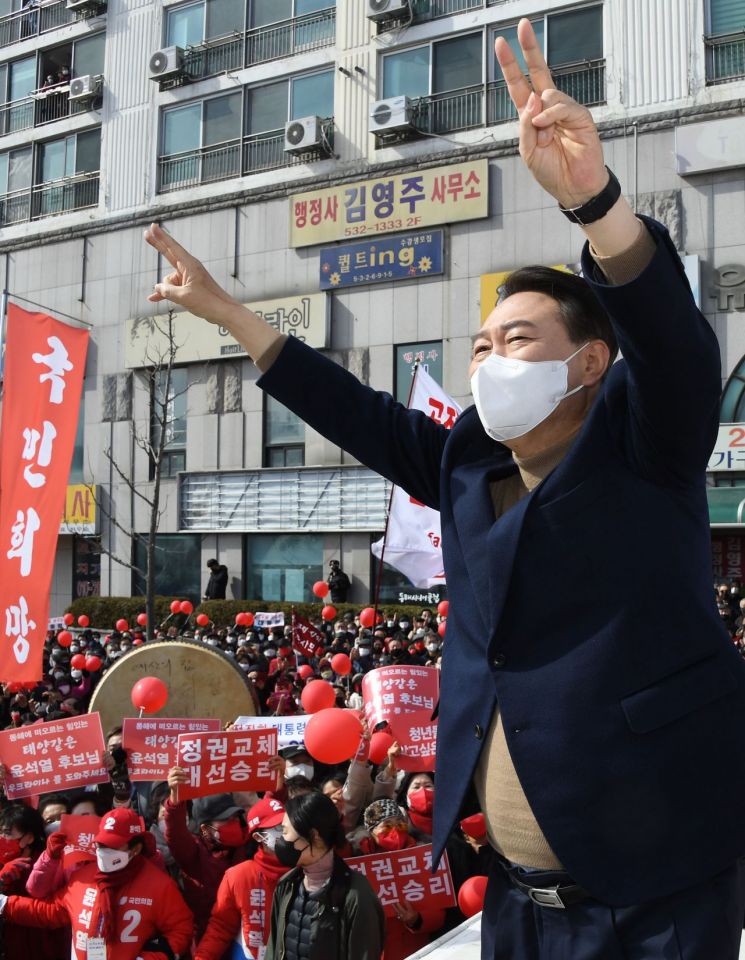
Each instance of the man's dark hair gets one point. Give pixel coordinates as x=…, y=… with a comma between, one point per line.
x=24, y=819
x=582, y=315
x=314, y=811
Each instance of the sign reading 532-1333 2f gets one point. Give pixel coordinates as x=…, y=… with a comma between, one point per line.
x=402, y=257
x=400, y=201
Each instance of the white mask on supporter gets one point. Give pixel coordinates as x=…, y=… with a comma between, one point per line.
x=110, y=860
x=513, y=396
x=299, y=770
x=269, y=836
x=76, y=674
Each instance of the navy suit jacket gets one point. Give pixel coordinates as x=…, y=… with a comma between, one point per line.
x=586, y=611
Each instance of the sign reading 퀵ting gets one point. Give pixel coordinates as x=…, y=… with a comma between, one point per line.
x=401, y=201
x=44, y=367
x=382, y=259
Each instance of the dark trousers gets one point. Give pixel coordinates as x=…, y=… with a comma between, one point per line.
x=703, y=922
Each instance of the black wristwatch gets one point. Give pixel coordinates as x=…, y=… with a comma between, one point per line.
x=597, y=207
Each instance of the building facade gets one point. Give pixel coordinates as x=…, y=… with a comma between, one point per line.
x=351, y=171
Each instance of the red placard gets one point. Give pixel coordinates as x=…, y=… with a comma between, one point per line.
x=417, y=736
x=152, y=745
x=407, y=875
x=306, y=638
x=221, y=763
x=391, y=691
x=80, y=829
x=53, y=756
x=43, y=380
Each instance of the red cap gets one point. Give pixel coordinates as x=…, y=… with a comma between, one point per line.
x=118, y=827
x=268, y=812
x=474, y=826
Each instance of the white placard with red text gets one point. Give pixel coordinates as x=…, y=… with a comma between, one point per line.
x=407, y=875
x=151, y=745
x=47, y=757
x=43, y=380
x=290, y=730
x=391, y=691
x=223, y=762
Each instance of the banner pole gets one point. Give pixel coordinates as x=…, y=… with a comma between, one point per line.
x=388, y=514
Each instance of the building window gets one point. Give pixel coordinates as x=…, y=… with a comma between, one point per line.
x=725, y=43
x=168, y=411
x=573, y=47
x=17, y=81
x=15, y=185
x=446, y=77
x=429, y=357
x=283, y=566
x=201, y=142
x=86, y=567
x=178, y=565
x=284, y=435
x=192, y=24
x=77, y=465
x=280, y=28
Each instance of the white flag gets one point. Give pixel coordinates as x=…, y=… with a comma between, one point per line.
x=413, y=543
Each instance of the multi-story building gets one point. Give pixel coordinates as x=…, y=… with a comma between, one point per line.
x=302, y=150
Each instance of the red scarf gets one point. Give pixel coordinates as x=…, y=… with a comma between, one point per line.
x=256, y=919
x=420, y=822
x=108, y=884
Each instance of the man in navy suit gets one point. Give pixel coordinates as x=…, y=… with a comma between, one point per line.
x=605, y=736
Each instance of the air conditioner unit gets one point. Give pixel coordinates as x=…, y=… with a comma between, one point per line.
x=395, y=113
x=85, y=4
x=167, y=63
x=85, y=88
x=304, y=134
x=387, y=9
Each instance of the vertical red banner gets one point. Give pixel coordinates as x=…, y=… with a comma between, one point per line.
x=44, y=368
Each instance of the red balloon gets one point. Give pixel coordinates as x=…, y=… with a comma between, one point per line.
x=64, y=638
x=149, y=694
x=367, y=617
x=68, y=619
x=137, y=642
x=341, y=664
x=241, y=619
x=92, y=663
x=142, y=619
x=333, y=736
x=83, y=620
x=317, y=695
x=328, y=612
x=175, y=606
x=187, y=607
x=122, y=626
x=249, y=618
x=442, y=608
x=442, y=628
x=77, y=662
x=471, y=896
x=202, y=619
x=305, y=671
x=320, y=588
x=380, y=744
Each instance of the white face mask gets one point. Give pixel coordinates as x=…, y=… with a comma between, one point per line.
x=364, y=651
x=110, y=860
x=299, y=770
x=269, y=836
x=513, y=396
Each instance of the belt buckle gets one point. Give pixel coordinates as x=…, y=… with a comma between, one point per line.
x=547, y=897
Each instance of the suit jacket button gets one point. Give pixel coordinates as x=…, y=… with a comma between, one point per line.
x=478, y=731
x=499, y=660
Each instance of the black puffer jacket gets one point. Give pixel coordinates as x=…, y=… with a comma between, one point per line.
x=348, y=923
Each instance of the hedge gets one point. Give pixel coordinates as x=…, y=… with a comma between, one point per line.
x=105, y=611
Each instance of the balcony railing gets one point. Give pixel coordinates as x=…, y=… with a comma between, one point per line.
x=725, y=57
x=233, y=158
x=30, y=23
x=50, y=199
x=584, y=82
x=259, y=45
x=448, y=112
x=43, y=107
x=432, y=9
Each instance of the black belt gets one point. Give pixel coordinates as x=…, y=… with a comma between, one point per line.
x=558, y=896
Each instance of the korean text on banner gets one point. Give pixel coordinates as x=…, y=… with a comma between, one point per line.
x=402, y=201
x=406, y=875
x=266, y=620
x=44, y=368
x=306, y=638
x=413, y=538
x=416, y=734
x=151, y=744
x=54, y=756
x=79, y=829
x=221, y=763
x=290, y=730
x=390, y=691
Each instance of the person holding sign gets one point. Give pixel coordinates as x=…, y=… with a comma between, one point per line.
x=121, y=907
x=572, y=712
